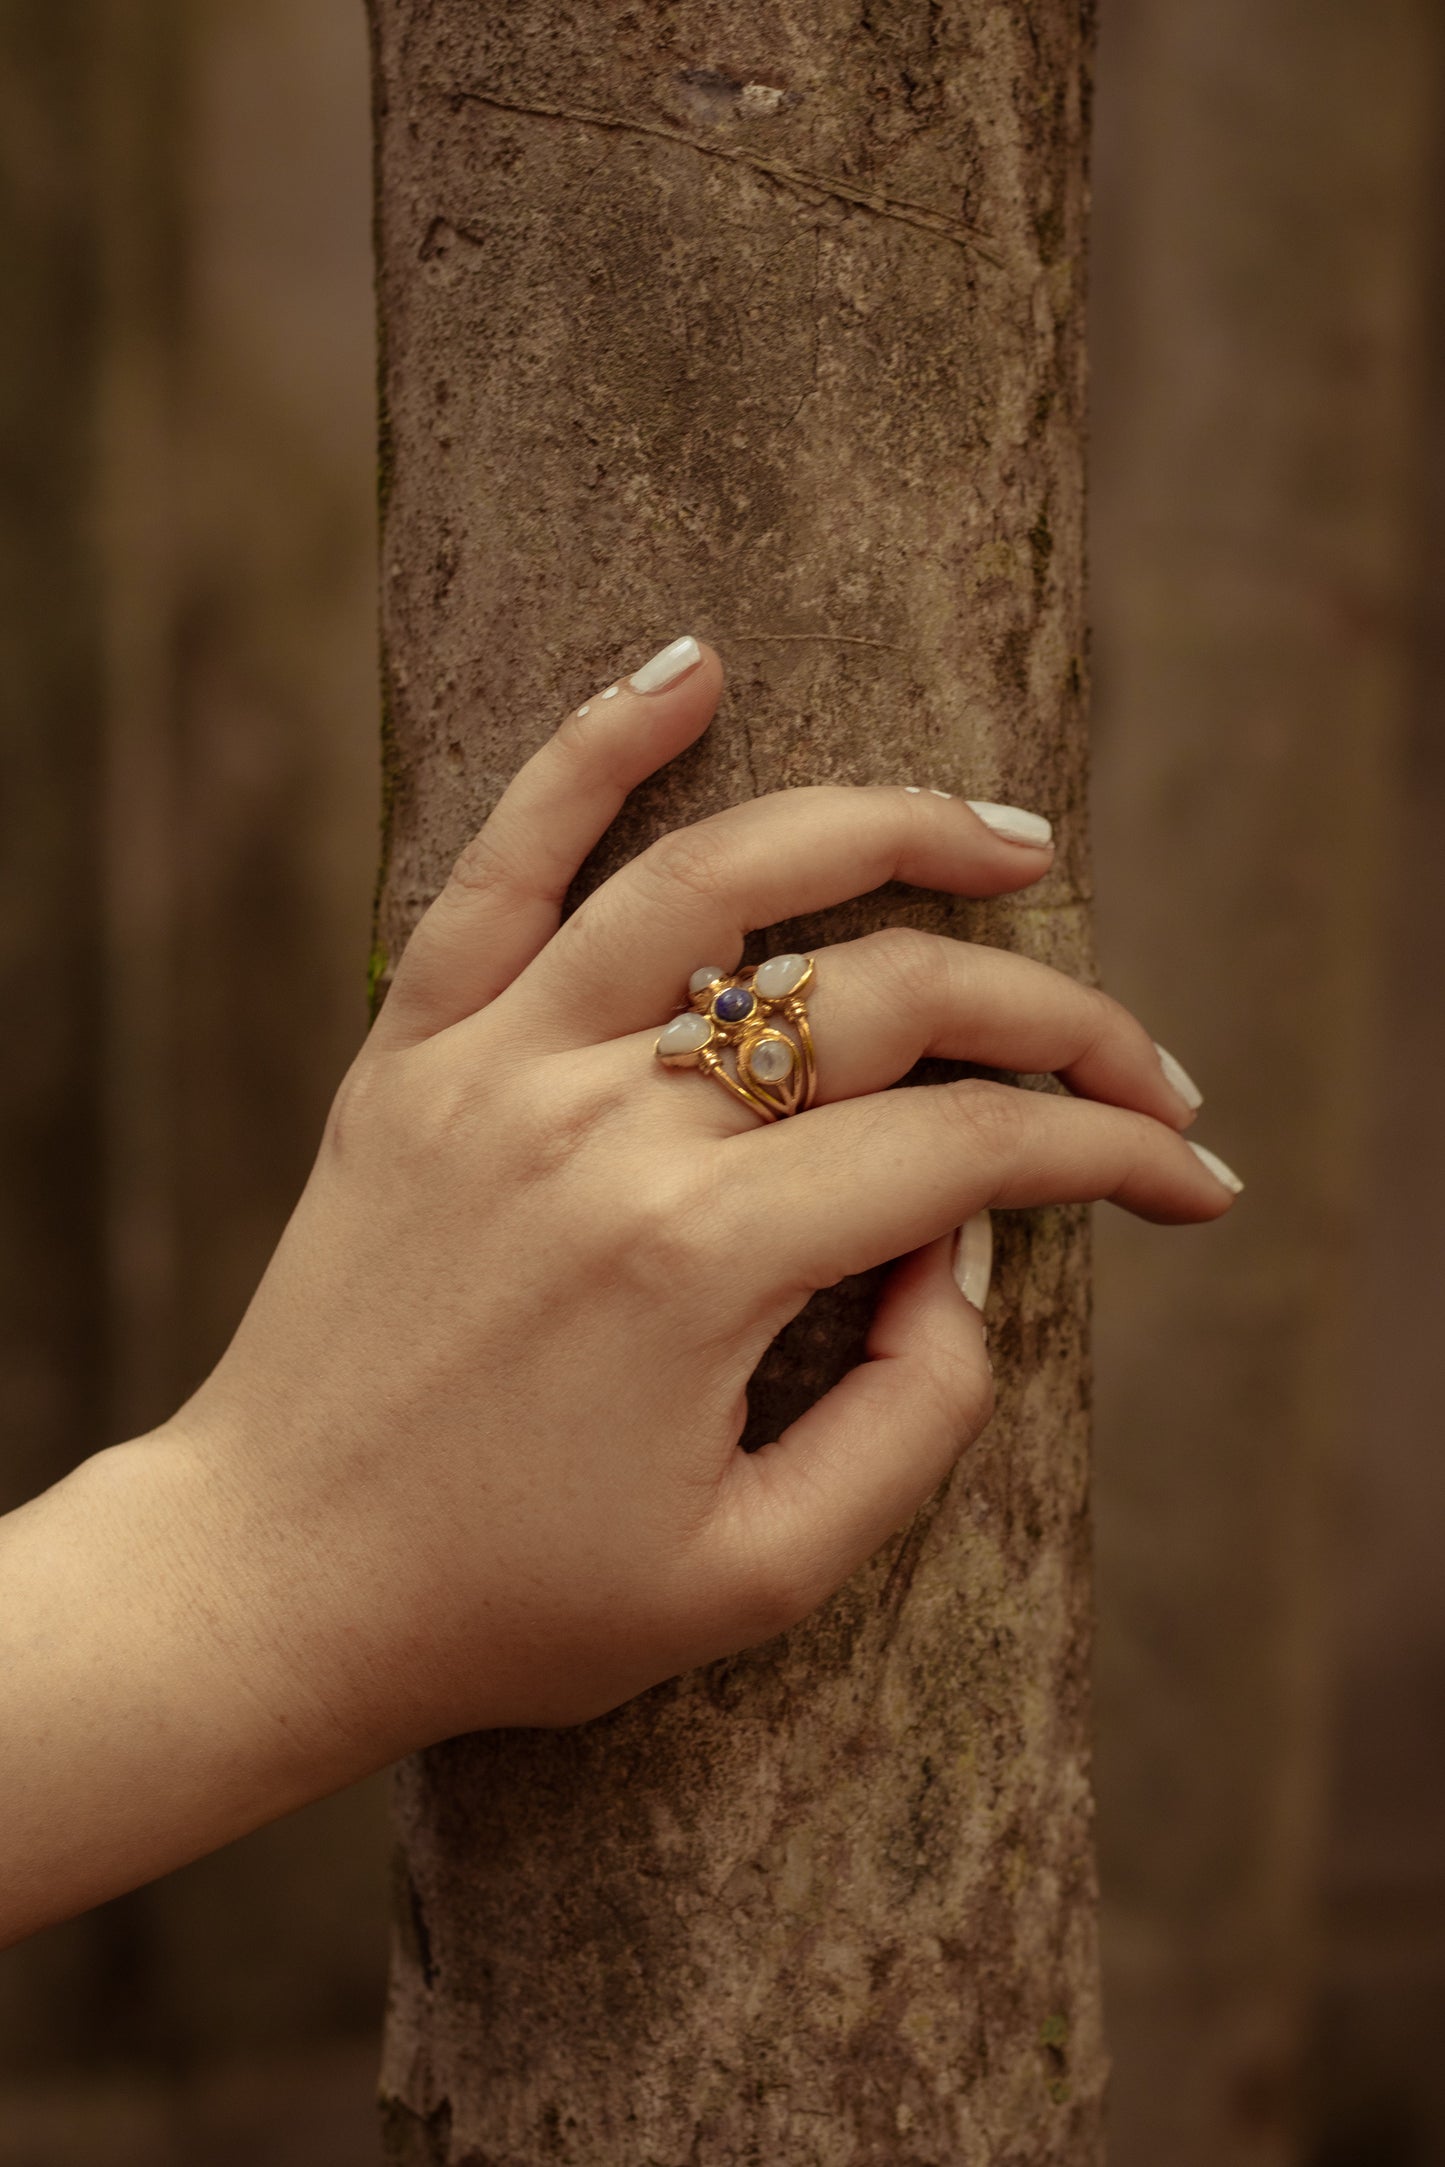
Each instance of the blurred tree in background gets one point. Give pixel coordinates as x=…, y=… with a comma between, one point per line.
x=187, y=857
x=1261, y=408
x=187, y=839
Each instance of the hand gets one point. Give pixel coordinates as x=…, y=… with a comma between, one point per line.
x=476, y=1441
x=473, y=1457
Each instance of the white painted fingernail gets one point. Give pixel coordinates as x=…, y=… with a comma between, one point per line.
x=585, y=708
x=1223, y=1174
x=611, y=692
x=1179, y=1079
x=1012, y=822
x=940, y=793
x=973, y=1258
x=665, y=668
x=911, y=790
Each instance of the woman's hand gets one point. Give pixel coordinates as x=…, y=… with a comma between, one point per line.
x=484, y=1412
x=472, y=1458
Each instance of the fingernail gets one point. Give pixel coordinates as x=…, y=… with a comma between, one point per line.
x=665, y=668
x=1179, y=1079
x=973, y=1259
x=1223, y=1174
x=913, y=790
x=1012, y=822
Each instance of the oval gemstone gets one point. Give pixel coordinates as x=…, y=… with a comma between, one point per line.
x=707, y=976
x=780, y=976
x=733, y=1003
x=685, y=1034
x=771, y=1061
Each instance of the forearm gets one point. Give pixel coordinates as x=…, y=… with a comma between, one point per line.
x=150, y=1709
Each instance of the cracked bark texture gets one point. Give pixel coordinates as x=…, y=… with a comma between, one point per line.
x=763, y=321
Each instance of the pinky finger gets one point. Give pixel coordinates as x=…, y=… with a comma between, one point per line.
x=807, y=1511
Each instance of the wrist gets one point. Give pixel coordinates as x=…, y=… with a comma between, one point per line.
x=262, y=1573
x=156, y=1696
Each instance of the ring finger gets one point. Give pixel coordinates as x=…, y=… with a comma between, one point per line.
x=880, y=1004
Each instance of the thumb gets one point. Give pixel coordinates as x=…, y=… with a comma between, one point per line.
x=808, y=1510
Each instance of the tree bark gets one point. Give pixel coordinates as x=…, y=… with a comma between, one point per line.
x=763, y=322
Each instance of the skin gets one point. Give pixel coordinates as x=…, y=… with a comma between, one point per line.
x=471, y=1459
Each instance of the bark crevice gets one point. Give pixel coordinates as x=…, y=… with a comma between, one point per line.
x=819, y=185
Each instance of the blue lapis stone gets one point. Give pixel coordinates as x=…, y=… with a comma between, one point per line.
x=732, y=1004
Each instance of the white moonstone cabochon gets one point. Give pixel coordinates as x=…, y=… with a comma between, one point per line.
x=685, y=1034
x=707, y=976
x=779, y=975
x=771, y=1060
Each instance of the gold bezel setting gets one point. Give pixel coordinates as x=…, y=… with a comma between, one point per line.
x=742, y=1021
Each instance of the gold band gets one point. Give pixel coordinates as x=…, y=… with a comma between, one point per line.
x=742, y=1014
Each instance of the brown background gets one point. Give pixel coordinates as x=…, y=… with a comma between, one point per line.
x=187, y=859
x=187, y=835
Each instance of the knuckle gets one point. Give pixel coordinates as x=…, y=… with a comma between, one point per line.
x=910, y=965
x=587, y=750
x=479, y=870
x=487, y=869
x=695, y=859
x=1101, y=1019
x=573, y=740
x=404, y=1109
x=442, y=1120
x=991, y=1115
x=554, y=1126
x=661, y=1238
x=353, y=1106
x=586, y=940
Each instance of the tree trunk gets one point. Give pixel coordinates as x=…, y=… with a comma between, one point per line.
x=763, y=322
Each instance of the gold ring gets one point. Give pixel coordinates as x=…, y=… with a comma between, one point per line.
x=760, y=1019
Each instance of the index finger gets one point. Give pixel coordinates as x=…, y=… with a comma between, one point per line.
x=623, y=959
x=503, y=901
